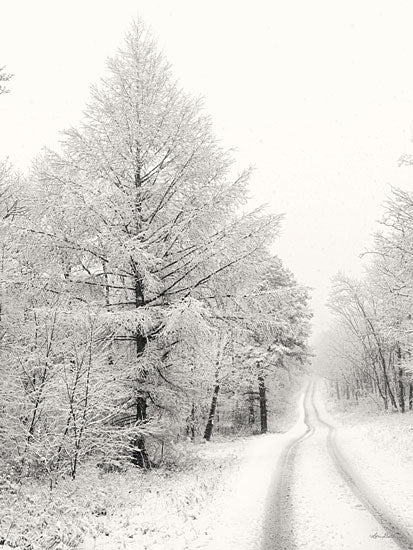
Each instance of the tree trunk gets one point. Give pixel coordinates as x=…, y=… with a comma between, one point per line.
x=391, y=394
x=399, y=381
x=251, y=410
x=338, y=390
x=356, y=395
x=347, y=391
x=139, y=453
x=190, y=429
x=263, y=404
x=410, y=396
x=212, y=410
x=387, y=386
x=401, y=392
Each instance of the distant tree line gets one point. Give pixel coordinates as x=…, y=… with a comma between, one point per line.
x=137, y=299
x=368, y=353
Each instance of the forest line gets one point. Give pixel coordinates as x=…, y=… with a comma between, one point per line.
x=367, y=352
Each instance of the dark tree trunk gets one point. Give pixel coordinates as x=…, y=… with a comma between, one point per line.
x=211, y=417
x=251, y=409
x=402, y=404
x=263, y=404
x=410, y=397
x=385, y=397
x=139, y=453
x=391, y=394
x=338, y=390
x=213, y=409
x=190, y=430
x=387, y=386
x=400, y=384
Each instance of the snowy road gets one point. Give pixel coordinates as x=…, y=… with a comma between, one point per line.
x=318, y=501
x=305, y=489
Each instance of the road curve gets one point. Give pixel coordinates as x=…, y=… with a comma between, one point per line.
x=316, y=500
x=278, y=523
x=402, y=536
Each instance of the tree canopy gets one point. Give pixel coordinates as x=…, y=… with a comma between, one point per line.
x=135, y=281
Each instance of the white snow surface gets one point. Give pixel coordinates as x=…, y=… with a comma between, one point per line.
x=240, y=525
x=320, y=511
x=325, y=514
x=380, y=449
x=231, y=519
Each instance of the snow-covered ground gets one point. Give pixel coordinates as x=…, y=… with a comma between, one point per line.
x=161, y=508
x=171, y=509
x=319, y=509
x=241, y=524
x=227, y=513
x=323, y=510
x=277, y=491
x=234, y=508
x=214, y=496
x=380, y=448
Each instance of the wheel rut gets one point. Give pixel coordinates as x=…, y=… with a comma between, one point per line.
x=343, y=515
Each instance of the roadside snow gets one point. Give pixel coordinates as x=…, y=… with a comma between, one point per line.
x=221, y=505
x=380, y=447
x=168, y=510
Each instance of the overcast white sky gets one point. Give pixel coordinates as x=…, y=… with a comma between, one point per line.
x=317, y=95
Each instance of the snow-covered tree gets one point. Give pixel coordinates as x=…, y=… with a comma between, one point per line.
x=136, y=283
x=279, y=308
x=268, y=319
x=141, y=211
x=4, y=77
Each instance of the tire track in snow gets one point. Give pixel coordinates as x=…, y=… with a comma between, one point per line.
x=402, y=537
x=277, y=524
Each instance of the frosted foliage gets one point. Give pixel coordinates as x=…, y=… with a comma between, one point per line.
x=4, y=77
x=132, y=283
x=189, y=316
x=369, y=347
